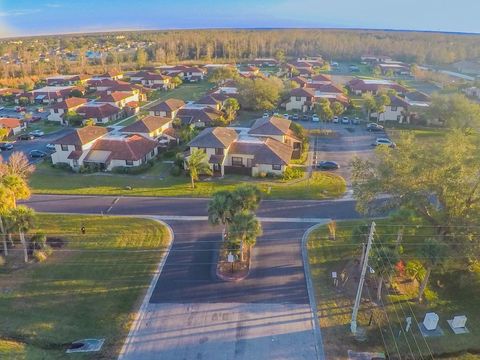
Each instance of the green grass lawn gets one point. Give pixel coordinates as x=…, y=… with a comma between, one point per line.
x=45, y=126
x=186, y=91
x=158, y=182
x=87, y=289
x=451, y=293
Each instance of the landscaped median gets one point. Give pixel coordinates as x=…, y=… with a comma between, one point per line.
x=158, y=182
x=454, y=292
x=89, y=287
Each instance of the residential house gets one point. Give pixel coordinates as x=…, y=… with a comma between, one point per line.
x=199, y=115
x=152, y=80
x=300, y=80
x=473, y=92
x=65, y=80
x=417, y=98
x=187, y=73
x=247, y=151
x=373, y=86
x=59, y=110
x=107, y=86
x=375, y=59
x=111, y=74
x=167, y=108
x=14, y=126
x=396, y=68
x=49, y=94
x=261, y=62
x=304, y=98
x=149, y=126
x=101, y=113
x=321, y=79
x=118, y=98
x=397, y=111
x=94, y=146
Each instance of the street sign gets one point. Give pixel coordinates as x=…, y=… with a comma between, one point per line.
x=230, y=258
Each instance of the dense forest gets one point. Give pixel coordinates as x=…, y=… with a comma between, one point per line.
x=120, y=49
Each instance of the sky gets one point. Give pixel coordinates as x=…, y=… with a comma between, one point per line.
x=38, y=17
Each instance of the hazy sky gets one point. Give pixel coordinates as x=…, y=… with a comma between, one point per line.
x=26, y=17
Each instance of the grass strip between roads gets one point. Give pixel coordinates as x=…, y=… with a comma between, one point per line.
x=87, y=289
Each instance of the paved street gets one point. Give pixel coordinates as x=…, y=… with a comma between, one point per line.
x=192, y=315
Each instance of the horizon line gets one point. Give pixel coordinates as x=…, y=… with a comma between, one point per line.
x=112, y=31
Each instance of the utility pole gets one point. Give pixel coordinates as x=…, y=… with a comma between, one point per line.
x=353, y=324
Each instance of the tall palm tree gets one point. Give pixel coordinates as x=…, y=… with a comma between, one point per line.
x=23, y=220
x=432, y=253
x=220, y=209
x=245, y=229
x=383, y=262
x=197, y=165
x=246, y=197
x=6, y=204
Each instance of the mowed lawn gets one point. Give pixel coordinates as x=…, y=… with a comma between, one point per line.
x=450, y=293
x=87, y=289
x=186, y=91
x=158, y=182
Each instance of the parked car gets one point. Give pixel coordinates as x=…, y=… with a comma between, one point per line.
x=345, y=120
x=20, y=109
x=304, y=118
x=295, y=117
x=6, y=146
x=286, y=116
x=2, y=107
x=37, y=133
x=37, y=154
x=328, y=165
x=356, y=121
x=374, y=127
x=50, y=147
x=315, y=118
x=26, y=137
x=384, y=142
x=266, y=115
x=335, y=120
x=35, y=118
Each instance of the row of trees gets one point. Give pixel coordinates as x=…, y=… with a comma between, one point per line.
x=327, y=110
x=235, y=211
x=13, y=187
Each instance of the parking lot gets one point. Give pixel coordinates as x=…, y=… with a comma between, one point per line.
x=350, y=141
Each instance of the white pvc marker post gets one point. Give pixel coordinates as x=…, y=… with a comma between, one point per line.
x=231, y=259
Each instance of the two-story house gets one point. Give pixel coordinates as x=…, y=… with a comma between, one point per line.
x=101, y=113
x=167, y=108
x=59, y=110
x=119, y=98
x=397, y=111
x=151, y=126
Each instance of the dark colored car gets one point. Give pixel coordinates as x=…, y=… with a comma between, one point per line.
x=6, y=146
x=35, y=118
x=328, y=165
x=26, y=137
x=374, y=127
x=37, y=154
x=304, y=118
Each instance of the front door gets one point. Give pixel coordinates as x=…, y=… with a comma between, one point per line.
x=249, y=163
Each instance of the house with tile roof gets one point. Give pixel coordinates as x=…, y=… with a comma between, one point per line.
x=153, y=127
x=101, y=113
x=118, y=98
x=397, y=111
x=304, y=98
x=151, y=80
x=14, y=126
x=95, y=146
x=60, y=109
x=266, y=147
x=373, y=86
x=167, y=108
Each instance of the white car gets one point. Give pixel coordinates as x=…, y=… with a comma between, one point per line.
x=286, y=116
x=266, y=115
x=345, y=120
x=315, y=118
x=50, y=147
x=384, y=142
x=335, y=119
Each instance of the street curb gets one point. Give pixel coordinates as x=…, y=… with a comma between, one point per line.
x=141, y=312
x=311, y=294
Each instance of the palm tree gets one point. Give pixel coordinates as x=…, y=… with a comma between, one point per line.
x=383, y=261
x=220, y=209
x=6, y=204
x=432, y=252
x=245, y=229
x=197, y=165
x=22, y=220
x=246, y=198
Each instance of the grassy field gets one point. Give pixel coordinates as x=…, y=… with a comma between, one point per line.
x=158, y=182
x=452, y=293
x=186, y=92
x=87, y=289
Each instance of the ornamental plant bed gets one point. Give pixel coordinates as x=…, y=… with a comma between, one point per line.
x=236, y=271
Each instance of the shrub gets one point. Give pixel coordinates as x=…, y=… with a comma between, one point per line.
x=62, y=166
x=292, y=173
x=39, y=255
x=133, y=170
x=89, y=168
x=262, y=174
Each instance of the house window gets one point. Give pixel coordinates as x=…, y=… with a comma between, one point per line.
x=298, y=98
x=237, y=161
x=218, y=151
x=394, y=108
x=276, y=167
x=64, y=147
x=55, y=111
x=152, y=153
x=129, y=162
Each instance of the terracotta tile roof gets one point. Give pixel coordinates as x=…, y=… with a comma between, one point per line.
x=75, y=155
x=205, y=115
x=147, y=124
x=267, y=151
x=133, y=148
x=321, y=77
x=10, y=123
x=168, y=105
x=217, y=137
x=133, y=104
x=208, y=100
x=398, y=102
x=303, y=92
x=273, y=125
x=300, y=80
x=70, y=103
x=98, y=111
x=328, y=88
x=82, y=136
x=115, y=96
